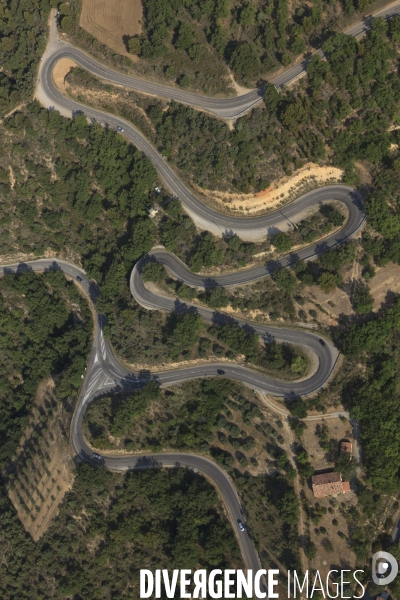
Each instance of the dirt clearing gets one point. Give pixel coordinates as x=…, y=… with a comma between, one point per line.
x=111, y=20
x=61, y=70
x=383, y=286
x=41, y=472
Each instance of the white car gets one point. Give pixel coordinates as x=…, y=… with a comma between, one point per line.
x=241, y=526
x=96, y=456
x=120, y=129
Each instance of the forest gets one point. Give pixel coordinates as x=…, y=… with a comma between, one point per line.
x=82, y=217
x=97, y=194
x=82, y=193
x=23, y=29
x=195, y=44
x=109, y=527
x=373, y=396
x=220, y=419
x=342, y=112
x=45, y=330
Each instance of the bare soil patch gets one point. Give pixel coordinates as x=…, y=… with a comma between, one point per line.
x=386, y=281
x=61, y=70
x=279, y=193
x=41, y=472
x=339, y=429
x=383, y=285
x=110, y=20
x=365, y=175
x=12, y=177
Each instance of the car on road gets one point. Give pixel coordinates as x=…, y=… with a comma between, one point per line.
x=96, y=456
x=321, y=341
x=120, y=129
x=220, y=372
x=240, y=524
x=79, y=278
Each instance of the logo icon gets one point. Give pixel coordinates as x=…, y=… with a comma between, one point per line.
x=384, y=568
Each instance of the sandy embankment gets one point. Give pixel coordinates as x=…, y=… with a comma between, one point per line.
x=279, y=192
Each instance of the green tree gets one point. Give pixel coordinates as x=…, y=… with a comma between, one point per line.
x=298, y=365
x=153, y=272
x=346, y=465
x=135, y=45
x=362, y=299
x=184, y=331
x=206, y=254
x=282, y=242
x=247, y=16
x=288, y=506
x=217, y=298
x=184, y=39
x=67, y=24
x=285, y=280
x=245, y=62
x=328, y=281
x=184, y=81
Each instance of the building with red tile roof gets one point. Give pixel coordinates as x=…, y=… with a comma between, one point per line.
x=329, y=484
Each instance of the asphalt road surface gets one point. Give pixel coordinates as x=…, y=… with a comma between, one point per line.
x=104, y=373
x=223, y=107
x=254, y=228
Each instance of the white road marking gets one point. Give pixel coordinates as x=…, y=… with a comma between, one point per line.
x=92, y=384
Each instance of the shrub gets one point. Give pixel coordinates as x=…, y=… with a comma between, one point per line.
x=153, y=272
x=282, y=242
x=285, y=280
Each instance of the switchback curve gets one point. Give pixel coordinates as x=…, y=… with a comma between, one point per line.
x=227, y=108
x=104, y=372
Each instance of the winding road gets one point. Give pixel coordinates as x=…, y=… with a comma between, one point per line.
x=105, y=373
x=227, y=108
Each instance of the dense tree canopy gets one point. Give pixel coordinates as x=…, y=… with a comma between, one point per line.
x=142, y=519
x=41, y=335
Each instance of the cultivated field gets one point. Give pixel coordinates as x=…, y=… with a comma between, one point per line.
x=40, y=473
x=110, y=20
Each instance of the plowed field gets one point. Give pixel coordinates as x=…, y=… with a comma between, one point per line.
x=110, y=20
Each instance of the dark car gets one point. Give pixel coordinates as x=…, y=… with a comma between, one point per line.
x=220, y=372
x=79, y=278
x=322, y=342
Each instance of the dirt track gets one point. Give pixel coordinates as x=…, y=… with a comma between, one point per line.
x=110, y=20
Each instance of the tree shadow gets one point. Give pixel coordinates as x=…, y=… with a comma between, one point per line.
x=125, y=40
x=181, y=308
x=21, y=268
